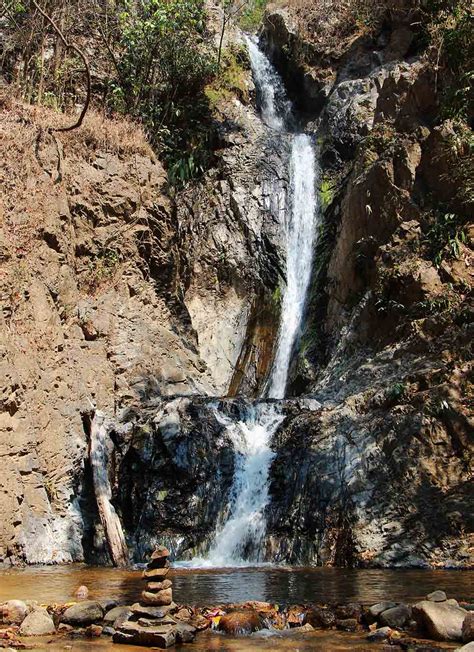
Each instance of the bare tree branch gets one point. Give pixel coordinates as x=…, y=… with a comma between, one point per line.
x=81, y=55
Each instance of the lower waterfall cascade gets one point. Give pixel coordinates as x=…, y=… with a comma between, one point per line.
x=239, y=540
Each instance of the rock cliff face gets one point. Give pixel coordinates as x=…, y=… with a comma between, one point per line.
x=380, y=473
x=112, y=293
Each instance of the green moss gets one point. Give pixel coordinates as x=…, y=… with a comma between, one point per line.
x=162, y=495
x=231, y=80
x=326, y=192
x=276, y=296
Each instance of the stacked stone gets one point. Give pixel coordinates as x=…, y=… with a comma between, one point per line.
x=158, y=590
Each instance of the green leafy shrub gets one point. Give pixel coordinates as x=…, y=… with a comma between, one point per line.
x=164, y=63
x=252, y=15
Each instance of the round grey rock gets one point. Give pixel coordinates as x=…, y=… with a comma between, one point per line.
x=83, y=613
x=37, y=623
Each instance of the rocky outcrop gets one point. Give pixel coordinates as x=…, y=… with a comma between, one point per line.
x=113, y=292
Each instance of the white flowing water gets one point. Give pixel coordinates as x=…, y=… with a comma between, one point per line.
x=239, y=540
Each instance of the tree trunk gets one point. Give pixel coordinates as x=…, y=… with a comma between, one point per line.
x=103, y=492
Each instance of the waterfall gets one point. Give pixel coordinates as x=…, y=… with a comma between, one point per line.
x=239, y=540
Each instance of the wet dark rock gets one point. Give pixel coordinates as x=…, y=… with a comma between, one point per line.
x=83, y=613
x=320, y=618
x=440, y=621
x=376, y=609
x=347, y=624
x=185, y=633
x=240, y=623
x=107, y=604
x=117, y=615
x=351, y=610
x=37, y=623
x=468, y=628
x=396, y=617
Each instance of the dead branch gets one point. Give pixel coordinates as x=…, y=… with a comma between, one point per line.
x=82, y=56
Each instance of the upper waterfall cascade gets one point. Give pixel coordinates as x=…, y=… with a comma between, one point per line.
x=239, y=540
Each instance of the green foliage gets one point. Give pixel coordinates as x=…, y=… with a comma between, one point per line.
x=445, y=237
x=231, y=79
x=163, y=66
x=252, y=16
x=450, y=33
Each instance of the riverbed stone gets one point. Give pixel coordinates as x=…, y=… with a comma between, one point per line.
x=350, y=610
x=376, y=609
x=118, y=615
x=396, y=617
x=442, y=622
x=82, y=592
x=468, y=628
x=107, y=604
x=436, y=596
x=162, y=636
x=37, y=623
x=319, y=618
x=469, y=647
x=380, y=634
x=240, y=622
x=185, y=633
x=83, y=613
x=347, y=624
x=13, y=612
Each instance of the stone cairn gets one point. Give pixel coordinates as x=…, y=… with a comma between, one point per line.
x=159, y=591
x=152, y=621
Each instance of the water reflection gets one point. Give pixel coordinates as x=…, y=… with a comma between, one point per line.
x=274, y=584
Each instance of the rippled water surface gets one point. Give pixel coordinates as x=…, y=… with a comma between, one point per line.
x=273, y=584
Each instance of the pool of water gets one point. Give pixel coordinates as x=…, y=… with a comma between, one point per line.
x=204, y=587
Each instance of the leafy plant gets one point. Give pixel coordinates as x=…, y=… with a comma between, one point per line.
x=397, y=392
x=445, y=237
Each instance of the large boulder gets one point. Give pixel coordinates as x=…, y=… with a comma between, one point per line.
x=240, y=623
x=13, y=612
x=441, y=621
x=37, y=623
x=468, y=628
x=83, y=613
